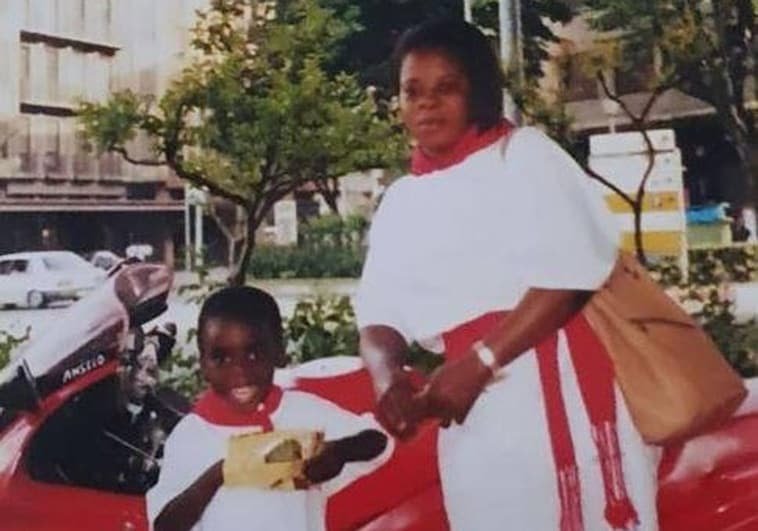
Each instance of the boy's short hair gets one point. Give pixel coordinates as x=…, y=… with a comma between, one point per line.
x=469, y=47
x=243, y=304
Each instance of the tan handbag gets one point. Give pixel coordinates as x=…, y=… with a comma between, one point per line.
x=675, y=381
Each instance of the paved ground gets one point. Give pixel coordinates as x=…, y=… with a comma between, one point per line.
x=181, y=311
x=746, y=301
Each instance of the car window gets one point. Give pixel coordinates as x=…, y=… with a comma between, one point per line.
x=20, y=266
x=103, y=262
x=64, y=262
x=5, y=267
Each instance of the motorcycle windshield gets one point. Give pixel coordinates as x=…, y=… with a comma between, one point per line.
x=93, y=331
x=98, y=323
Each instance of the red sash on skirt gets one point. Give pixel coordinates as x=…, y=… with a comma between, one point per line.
x=594, y=373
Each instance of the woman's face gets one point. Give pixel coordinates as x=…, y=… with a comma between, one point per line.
x=434, y=95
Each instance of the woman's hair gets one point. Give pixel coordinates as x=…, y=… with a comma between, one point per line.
x=465, y=44
x=246, y=305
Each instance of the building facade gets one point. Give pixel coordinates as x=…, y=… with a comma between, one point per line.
x=54, y=191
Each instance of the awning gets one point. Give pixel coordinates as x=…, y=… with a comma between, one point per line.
x=86, y=206
x=671, y=105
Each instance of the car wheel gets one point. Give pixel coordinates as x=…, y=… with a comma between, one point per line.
x=35, y=299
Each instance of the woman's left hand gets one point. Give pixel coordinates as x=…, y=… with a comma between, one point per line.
x=453, y=388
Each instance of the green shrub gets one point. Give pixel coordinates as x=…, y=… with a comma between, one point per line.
x=322, y=327
x=333, y=231
x=737, y=263
x=302, y=262
x=325, y=326
x=707, y=297
x=328, y=247
x=8, y=343
x=181, y=372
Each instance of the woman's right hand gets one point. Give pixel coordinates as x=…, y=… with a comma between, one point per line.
x=384, y=351
x=400, y=410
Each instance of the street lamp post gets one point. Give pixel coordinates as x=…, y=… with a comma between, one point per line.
x=194, y=197
x=509, y=14
x=467, y=11
x=187, y=230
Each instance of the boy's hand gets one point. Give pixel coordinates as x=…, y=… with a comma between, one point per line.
x=324, y=466
x=328, y=463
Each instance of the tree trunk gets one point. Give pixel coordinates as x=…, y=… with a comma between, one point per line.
x=331, y=200
x=638, y=246
x=239, y=274
x=330, y=191
x=231, y=245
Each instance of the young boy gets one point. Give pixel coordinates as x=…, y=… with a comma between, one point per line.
x=240, y=342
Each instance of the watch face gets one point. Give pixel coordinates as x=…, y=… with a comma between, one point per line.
x=486, y=356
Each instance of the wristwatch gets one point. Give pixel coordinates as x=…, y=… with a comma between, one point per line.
x=487, y=358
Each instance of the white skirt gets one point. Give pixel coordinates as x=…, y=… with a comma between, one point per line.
x=497, y=469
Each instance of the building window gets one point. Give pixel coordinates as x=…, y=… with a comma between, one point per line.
x=51, y=56
x=79, y=16
x=307, y=206
x=110, y=165
x=141, y=191
x=25, y=146
x=637, y=78
x=41, y=14
x=25, y=72
x=107, y=16
x=98, y=19
x=71, y=17
x=82, y=163
x=51, y=162
x=576, y=82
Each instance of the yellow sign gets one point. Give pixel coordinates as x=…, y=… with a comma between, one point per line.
x=658, y=242
x=652, y=202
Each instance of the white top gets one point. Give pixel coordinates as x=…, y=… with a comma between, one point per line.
x=195, y=445
x=457, y=243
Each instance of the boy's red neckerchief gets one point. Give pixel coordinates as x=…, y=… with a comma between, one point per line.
x=471, y=142
x=213, y=408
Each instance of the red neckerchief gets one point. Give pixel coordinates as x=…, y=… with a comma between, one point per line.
x=471, y=142
x=214, y=409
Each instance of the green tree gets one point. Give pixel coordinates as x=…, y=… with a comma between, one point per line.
x=375, y=25
x=704, y=48
x=255, y=115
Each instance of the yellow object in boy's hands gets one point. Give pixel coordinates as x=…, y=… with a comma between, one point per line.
x=272, y=460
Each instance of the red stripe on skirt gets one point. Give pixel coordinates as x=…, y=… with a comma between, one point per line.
x=596, y=383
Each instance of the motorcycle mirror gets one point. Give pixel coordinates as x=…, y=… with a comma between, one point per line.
x=143, y=289
x=19, y=392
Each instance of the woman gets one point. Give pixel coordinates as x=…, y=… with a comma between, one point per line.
x=487, y=252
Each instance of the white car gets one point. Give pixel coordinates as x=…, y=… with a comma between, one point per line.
x=104, y=259
x=33, y=279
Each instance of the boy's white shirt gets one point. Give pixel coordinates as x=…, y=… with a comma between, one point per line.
x=454, y=244
x=196, y=444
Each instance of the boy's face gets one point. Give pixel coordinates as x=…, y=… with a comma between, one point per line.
x=238, y=361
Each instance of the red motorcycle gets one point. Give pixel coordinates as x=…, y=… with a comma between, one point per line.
x=82, y=425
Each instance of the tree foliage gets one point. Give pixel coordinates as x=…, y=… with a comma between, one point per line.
x=375, y=25
x=704, y=48
x=255, y=115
